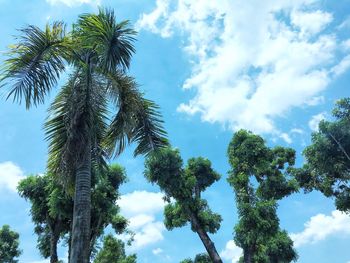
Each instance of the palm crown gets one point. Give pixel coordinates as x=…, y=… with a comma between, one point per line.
x=99, y=50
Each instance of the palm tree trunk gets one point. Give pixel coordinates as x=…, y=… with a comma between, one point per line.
x=80, y=245
x=208, y=244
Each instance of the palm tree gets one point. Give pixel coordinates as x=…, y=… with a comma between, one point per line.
x=97, y=52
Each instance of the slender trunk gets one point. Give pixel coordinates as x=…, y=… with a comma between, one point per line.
x=80, y=245
x=208, y=244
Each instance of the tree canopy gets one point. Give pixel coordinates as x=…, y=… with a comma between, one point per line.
x=113, y=250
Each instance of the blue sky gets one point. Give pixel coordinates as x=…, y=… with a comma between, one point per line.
x=275, y=67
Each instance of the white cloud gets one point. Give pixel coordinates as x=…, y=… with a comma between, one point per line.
x=157, y=251
x=315, y=120
x=231, y=253
x=140, y=220
x=10, y=175
x=310, y=22
x=71, y=3
x=148, y=21
x=139, y=202
x=321, y=226
x=148, y=234
x=141, y=208
x=250, y=65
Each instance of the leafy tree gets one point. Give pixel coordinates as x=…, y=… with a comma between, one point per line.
x=52, y=208
x=98, y=51
x=9, y=243
x=328, y=158
x=113, y=250
x=258, y=232
x=185, y=185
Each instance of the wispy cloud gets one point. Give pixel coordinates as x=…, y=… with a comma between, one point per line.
x=321, y=226
x=252, y=61
x=72, y=3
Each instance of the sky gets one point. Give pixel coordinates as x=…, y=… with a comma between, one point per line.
x=274, y=67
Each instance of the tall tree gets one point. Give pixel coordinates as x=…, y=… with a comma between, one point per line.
x=328, y=158
x=258, y=232
x=9, y=245
x=51, y=208
x=185, y=185
x=113, y=250
x=98, y=50
x=51, y=212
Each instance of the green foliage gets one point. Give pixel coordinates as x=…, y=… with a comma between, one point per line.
x=36, y=62
x=200, y=258
x=174, y=216
x=113, y=250
x=249, y=156
x=258, y=231
x=279, y=248
x=9, y=245
x=328, y=158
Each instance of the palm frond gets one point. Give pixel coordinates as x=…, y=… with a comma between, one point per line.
x=137, y=120
x=112, y=41
x=149, y=133
x=123, y=93
x=35, y=63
